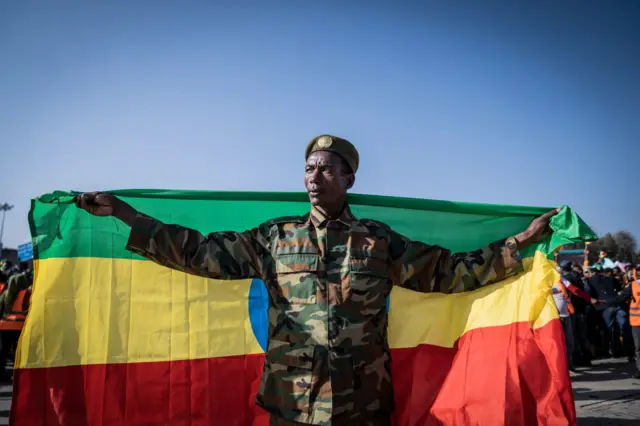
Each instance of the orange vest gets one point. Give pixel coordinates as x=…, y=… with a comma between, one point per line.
x=14, y=319
x=563, y=289
x=634, y=309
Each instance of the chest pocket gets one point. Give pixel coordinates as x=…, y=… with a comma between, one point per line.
x=368, y=280
x=298, y=276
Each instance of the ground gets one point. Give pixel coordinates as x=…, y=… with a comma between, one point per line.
x=605, y=395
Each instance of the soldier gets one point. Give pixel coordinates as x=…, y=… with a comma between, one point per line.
x=328, y=275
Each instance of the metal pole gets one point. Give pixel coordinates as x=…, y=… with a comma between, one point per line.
x=5, y=208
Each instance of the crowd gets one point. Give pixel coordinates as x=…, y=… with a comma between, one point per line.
x=15, y=295
x=599, y=307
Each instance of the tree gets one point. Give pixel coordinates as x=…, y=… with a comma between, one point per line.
x=607, y=244
x=626, y=246
x=620, y=246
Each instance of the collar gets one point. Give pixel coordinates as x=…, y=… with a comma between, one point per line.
x=318, y=219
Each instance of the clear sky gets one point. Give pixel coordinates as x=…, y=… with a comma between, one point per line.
x=530, y=103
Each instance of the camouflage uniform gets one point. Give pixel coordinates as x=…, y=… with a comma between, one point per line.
x=327, y=361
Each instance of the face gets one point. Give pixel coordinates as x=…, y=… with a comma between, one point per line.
x=327, y=180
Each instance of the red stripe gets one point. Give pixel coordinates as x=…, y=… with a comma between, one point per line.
x=507, y=375
x=217, y=391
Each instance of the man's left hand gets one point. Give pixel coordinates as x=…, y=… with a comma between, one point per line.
x=537, y=231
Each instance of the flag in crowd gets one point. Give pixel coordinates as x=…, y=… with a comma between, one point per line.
x=115, y=339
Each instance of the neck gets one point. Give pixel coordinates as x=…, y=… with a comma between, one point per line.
x=331, y=211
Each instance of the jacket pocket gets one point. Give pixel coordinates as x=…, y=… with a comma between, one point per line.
x=289, y=380
x=368, y=281
x=298, y=276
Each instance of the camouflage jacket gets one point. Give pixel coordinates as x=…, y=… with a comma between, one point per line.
x=327, y=358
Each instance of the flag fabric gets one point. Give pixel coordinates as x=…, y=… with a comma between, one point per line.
x=114, y=339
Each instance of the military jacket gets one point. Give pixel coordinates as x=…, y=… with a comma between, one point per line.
x=327, y=360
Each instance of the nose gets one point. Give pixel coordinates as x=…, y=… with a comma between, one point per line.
x=315, y=174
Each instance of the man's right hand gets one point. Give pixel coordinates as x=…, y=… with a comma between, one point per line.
x=103, y=204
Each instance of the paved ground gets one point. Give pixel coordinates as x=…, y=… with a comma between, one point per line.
x=5, y=404
x=605, y=395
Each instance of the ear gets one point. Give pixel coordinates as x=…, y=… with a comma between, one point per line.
x=351, y=180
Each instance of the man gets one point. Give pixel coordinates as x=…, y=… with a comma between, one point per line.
x=616, y=275
x=631, y=292
x=603, y=287
x=6, y=270
x=14, y=304
x=566, y=308
x=583, y=350
x=328, y=275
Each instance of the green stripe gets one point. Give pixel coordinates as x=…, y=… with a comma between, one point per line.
x=59, y=229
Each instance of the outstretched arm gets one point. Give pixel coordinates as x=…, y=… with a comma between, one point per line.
x=426, y=268
x=219, y=255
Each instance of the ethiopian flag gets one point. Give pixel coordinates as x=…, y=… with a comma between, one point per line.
x=113, y=339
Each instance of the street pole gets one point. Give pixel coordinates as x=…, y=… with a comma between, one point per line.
x=5, y=208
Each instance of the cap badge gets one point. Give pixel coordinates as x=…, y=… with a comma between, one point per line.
x=325, y=142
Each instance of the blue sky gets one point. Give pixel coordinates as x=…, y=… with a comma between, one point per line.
x=530, y=103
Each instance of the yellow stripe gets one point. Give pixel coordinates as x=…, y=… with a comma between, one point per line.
x=119, y=311
x=439, y=319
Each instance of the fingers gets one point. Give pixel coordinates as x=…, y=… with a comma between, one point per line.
x=79, y=200
x=550, y=214
x=86, y=199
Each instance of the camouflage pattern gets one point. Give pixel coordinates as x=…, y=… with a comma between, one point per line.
x=327, y=360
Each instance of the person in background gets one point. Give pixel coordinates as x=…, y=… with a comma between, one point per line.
x=14, y=304
x=616, y=274
x=566, y=309
x=602, y=286
x=6, y=269
x=631, y=292
x=583, y=350
x=630, y=275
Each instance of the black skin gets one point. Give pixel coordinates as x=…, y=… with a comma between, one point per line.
x=327, y=179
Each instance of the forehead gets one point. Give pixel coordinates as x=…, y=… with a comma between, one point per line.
x=323, y=157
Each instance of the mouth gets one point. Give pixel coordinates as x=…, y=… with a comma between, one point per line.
x=315, y=192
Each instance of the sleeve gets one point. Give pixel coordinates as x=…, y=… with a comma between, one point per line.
x=588, y=288
x=219, y=255
x=625, y=294
x=576, y=291
x=425, y=268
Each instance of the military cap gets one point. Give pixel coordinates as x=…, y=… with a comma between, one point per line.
x=342, y=147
